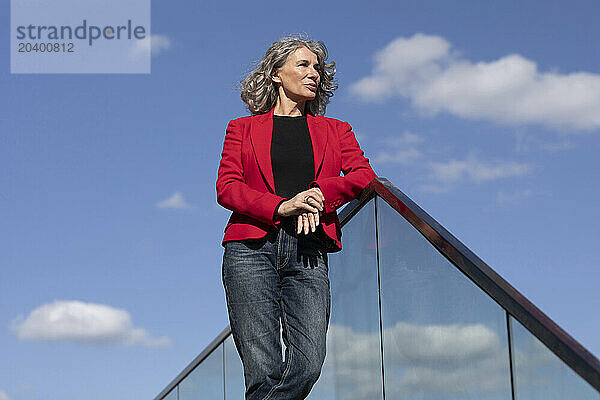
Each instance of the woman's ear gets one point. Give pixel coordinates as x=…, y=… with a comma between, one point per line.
x=275, y=77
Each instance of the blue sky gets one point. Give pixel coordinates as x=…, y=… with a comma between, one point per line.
x=487, y=115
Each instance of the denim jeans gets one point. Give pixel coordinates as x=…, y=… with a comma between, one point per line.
x=282, y=278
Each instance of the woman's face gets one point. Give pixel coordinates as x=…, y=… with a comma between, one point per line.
x=299, y=76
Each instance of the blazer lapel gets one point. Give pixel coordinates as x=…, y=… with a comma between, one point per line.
x=261, y=134
x=318, y=137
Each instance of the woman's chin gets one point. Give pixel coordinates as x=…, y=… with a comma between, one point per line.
x=311, y=96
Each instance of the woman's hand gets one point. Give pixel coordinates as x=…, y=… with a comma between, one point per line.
x=311, y=200
x=306, y=205
x=307, y=222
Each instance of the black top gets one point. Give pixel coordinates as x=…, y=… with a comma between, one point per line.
x=292, y=157
x=293, y=163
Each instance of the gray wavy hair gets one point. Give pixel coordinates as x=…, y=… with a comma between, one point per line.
x=260, y=93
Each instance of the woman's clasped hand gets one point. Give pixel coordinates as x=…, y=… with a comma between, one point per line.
x=307, y=205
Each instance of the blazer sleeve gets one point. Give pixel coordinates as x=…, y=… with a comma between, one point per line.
x=338, y=190
x=232, y=191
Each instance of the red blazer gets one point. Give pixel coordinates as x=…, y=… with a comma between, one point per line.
x=245, y=178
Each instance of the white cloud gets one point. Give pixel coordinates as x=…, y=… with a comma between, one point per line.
x=558, y=146
x=434, y=188
x=509, y=90
x=76, y=321
x=511, y=198
x=406, y=156
x=400, y=149
x=444, y=176
x=407, y=138
x=440, y=177
x=440, y=343
x=175, y=201
x=476, y=170
x=424, y=360
x=155, y=44
x=526, y=143
x=3, y=396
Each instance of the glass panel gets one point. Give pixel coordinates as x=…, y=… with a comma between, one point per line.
x=352, y=367
x=172, y=394
x=444, y=338
x=206, y=380
x=540, y=374
x=234, y=371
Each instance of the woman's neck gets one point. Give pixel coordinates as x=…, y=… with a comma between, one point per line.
x=288, y=107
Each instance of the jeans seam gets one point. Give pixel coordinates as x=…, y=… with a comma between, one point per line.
x=289, y=360
x=278, y=248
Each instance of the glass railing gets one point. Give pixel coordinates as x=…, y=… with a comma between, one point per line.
x=416, y=315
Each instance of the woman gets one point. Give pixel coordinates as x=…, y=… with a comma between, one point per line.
x=280, y=175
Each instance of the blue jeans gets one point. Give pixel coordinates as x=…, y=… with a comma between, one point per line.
x=282, y=278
